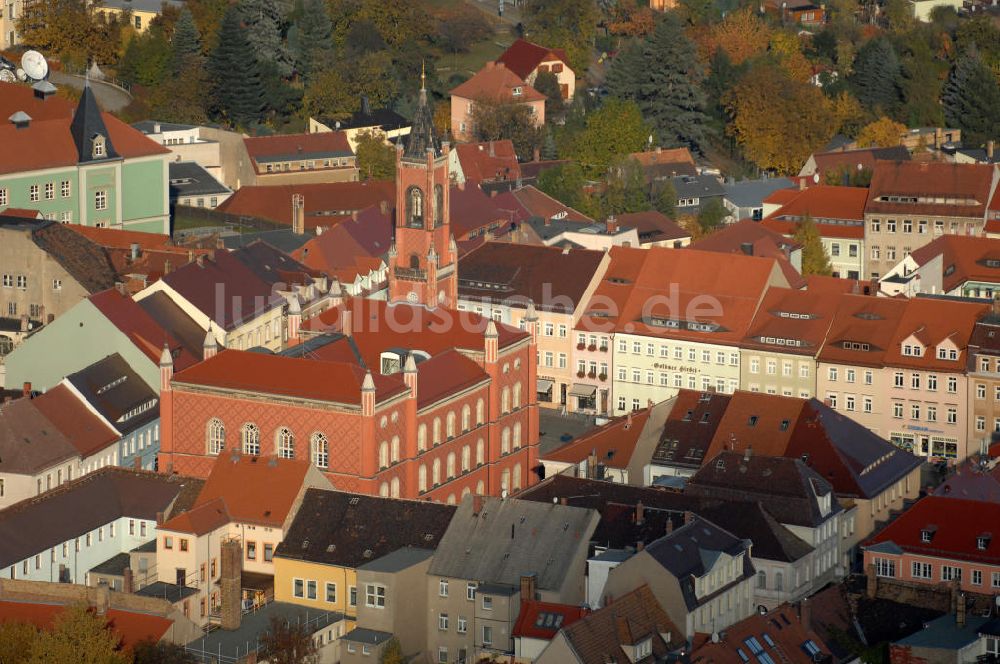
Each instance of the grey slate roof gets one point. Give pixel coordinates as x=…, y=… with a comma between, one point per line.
x=367, y=636
x=142, y=5
x=771, y=540
x=751, y=193
x=421, y=136
x=505, y=539
x=29, y=442
x=114, y=389
x=149, y=126
x=168, y=591
x=83, y=505
x=945, y=634
x=283, y=238
x=398, y=560
x=697, y=186
x=233, y=644
x=87, y=123
x=113, y=566
x=188, y=178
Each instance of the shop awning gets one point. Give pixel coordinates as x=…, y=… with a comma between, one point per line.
x=580, y=390
x=544, y=386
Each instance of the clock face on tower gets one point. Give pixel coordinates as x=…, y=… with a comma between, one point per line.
x=411, y=296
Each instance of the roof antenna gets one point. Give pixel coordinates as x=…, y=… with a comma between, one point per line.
x=423, y=75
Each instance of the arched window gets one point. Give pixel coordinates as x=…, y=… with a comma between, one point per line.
x=505, y=479
x=422, y=437
x=517, y=435
x=480, y=452
x=320, y=450
x=437, y=430
x=250, y=439
x=516, y=397
x=394, y=487
x=762, y=580
x=505, y=441
x=383, y=455
x=778, y=581
x=451, y=499
x=414, y=207
x=436, y=472
x=517, y=477
x=422, y=478
x=451, y=425
x=480, y=488
x=466, y=459
x=414, y=262
x=438, y=205
x=466, y=418
x=451, y=465
x=480, y=412
x=505, y=400
x=466, y=491
x=285, y=443
x=394, y=449
x=383, y=490
x=216, y=434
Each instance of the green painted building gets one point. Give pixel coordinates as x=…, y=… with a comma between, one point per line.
x=79, y=165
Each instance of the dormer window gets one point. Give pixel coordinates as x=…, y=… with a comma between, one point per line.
x=517, y=91
x=927, y=534
x=913, y=350
x=643, y=649
x=97, y=146
x=983, y=541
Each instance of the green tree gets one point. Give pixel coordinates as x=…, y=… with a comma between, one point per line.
x=971, y=99
x=982, y=34
x=565, y=24
x=814, y=258
x=313, y=35
x=186, y=40
x=876, y=78
x=494, y=120
x=78, y=636
x=549, y=151
x=67, y=29
x=392, y=653
x=327, y=97
x=548, y=84
x=239, y=92
x=162, y=653
x=287, y=643
x=148, y=59
x=461, y=27
x=262, y=21
x=626, y=189
x=376, y=158
x=662, y=75
x=564, y=183
x=182, y=98
x=711, y=215
x=208, y=15
x=922, y=79
x=16, y=641
x=373, y=76
x=666, y=199
x=613, y=131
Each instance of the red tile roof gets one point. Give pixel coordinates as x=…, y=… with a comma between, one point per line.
x=473, y=211
x=820, y=284
x=113, y=238
x=963, y=258
x=200, y=520
x=800, y=316
x=326, y=204
x=764, y=422
x=660, y=156
x=523, y=57
x=133, y=627
x=613, y=443
x=826, y=205
x=245, y=371
x=785, y=640
x=540, y=204
x=20, y=212
x=956, y=523
x=653, y=226
x=296, y=147
x=446, y=374
x=494, y=160
x=970, y=183
x=933, y=321
x=865, y=320
x=87, y=431
x=542, y=620
x=352, y=248
x=763, y=242
x=496, y=81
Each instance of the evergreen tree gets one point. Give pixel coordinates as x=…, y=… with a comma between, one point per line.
x=876, y=78
x=666, y=199
x=239, y=93
x=549, y=151
x=313, y=38
x=262, y=19
x=712, y=215
x=186, y=42
x=971, y=99
x=626, y=190
x=663, y=77
x=814, y=258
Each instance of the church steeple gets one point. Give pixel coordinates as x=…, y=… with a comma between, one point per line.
x=422, y=132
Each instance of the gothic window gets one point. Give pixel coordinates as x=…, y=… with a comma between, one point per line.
x=422, y=478
x=414, y=261
x=414, y=207
x=505, y=441
x=383, y=490
x=517, y=476
x=517, y=396
x=250, y=439
x=480, y=488
x=451, y=425
x=394, y=449
x=383, y=455
x=216, y=436
x=422, y=437
x=505, y=400
x=466, y=418
x=436, y=472
x=480, y=452
x=517, y=435
x=394, y=487
x=480, y=412
x=451, y=465
x=505, y=479
x=437, y=430
x=285, y=443
x=320, y=450
x=438, y=205
x=466, y=458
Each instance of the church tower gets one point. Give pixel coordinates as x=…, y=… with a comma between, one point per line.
x=423, y=261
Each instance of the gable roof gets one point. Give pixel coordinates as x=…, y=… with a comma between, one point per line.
x=754, y=239
x=690, y=428
x=352, y=248
x=84, y=428
x=296, y=147
x=779, y=633
x=542, y=620
x=751, y=193
x=954, y=523
x=496, y=81
x=682, y=553
x=792, y=321
x=539, y=204
x=553, y=279
x=963, y=258
x=599, y=638
x=612, y=443
x=114, y=390
x=29, y=442
x=851, y=160
x=350, y=530
x=132, y=627
x=523, y=57
x=446, y=374
x=326, y=204
x=83, y=260
x=479, y=545
x=652, y=226
x=966, y=186
x=494, y=160
x=88, y=124
x=821, y=202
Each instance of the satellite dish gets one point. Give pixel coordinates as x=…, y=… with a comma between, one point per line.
x=715, y=637
x=21, y=75
x=761, y=609
x=816, y=178
x=7, y=76
x=34, y=65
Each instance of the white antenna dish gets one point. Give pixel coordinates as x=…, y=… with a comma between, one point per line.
x=816, y=178
x=715, y=637
x=7, y=76
x=34, y=65
x=21, y=75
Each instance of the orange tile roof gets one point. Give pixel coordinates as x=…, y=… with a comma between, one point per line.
x=295, y=147
x=113, y=238
x=826, y=205
x=262, y=373
x=495, y=81
x=661, y=156
x=133, y=627
x=763, y=242
x=800, y=316
x=493, y=160
x=523, y=57
x=87, y=431
x=787, y=637
x=931, y=180
x=326, y=204
x=446, y=374
x=540, y=204
x=820, y=284
x=963, y=258
x=20, y=212
x=865, y=320
x=764, y=422
x=200, y=520
x=934, y=320
x=612, y=443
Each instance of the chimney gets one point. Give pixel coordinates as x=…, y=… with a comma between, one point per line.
x=527, y=587
x=298, y=214
x=220, y=244
x=960, y=610
x=26, y=389
x=536, y=155
x=670, y=525
x=747, y=248
x=611, y=225
x=640, y=513
x=748, y=453
x=137, y=463
x=159, y=518
x=802, y=184
x=102, y=598
x=628, y=420
x=688, y=517
x=128, y=582
x=24, y=323
x=210, y=347
x=938, y=138
x=592, y=464
x=477, y=504
x=167, y=267
x=354, y=215
x=346, y=322
x=461, y=185
x=383, y=207
x=493, y=193
x=229, y=579
x=990, y=145
x=200, y=260
x=134, y=250
x=43, y=90
x=639, y=546
x=805, y=614
x=871, y=582
x=658, y=149
x=491, y=65
x=493, y=152
x=120, y=287
x=21, y=120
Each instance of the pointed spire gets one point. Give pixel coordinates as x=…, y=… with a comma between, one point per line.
x=90, y=134
x=423, y=76
x=210, y=341
x=335, y=287
x=491, y=330
x=166, y=359
x=421, y=138
x=368, y=384
x=411, y=364
x=294, y=307
x=531, y=314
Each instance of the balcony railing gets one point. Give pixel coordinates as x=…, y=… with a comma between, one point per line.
x=410, y=273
